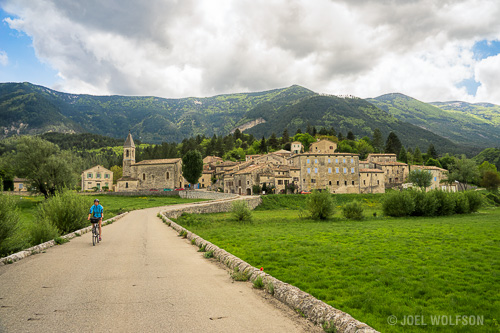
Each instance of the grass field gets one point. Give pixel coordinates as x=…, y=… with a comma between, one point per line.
x=375, y=268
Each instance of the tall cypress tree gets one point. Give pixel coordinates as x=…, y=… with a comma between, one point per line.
x=431, y=152
x=285, y=138
x=403, y=157
x=417, y=156
x=350, y=136
x=393, y=145
x=378, y=141
x=263, y=146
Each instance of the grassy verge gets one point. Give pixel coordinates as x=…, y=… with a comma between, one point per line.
x=378, y=267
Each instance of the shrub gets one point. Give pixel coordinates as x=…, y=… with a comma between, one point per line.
x=270, y=288
x=239, y=276
x=256, y=189
x=9, y=218
x=461, y=203
x=258, y=283
x=445, y=202
x=67, y=211
x=60, y=240
x=425, y=203
x=475, y=200
x=42, y=231
x=209, y=254
x=320, y=205
x=398, y=204
x=240, y=211
x=353, y=210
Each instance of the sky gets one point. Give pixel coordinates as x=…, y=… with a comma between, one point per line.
x=432, y=50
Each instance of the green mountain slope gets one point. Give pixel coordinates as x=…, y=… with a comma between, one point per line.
x=491, y=155
x=345, y=114
x=486, y=111
x=460, y=127
x=151, y=119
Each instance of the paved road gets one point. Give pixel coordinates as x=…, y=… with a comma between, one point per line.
x=141, y=278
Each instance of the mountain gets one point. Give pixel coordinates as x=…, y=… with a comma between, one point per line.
x=486, y=111
x=465, y=128
x=344, y=114
x=29, y=109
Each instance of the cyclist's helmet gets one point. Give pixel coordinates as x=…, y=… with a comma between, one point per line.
x=96, y=200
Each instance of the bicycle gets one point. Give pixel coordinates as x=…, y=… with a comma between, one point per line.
x=95, y=230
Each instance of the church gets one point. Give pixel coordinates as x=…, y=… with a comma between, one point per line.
x=148, y=175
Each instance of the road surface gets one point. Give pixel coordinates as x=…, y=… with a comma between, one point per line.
x=140, y=278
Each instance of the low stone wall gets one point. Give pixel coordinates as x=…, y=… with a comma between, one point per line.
x=211, y=195
x=41, y=247
x=217, y=206
x=315, y=310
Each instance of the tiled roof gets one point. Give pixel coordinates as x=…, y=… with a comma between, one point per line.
x=250, y=169
x=428, y=167
x=159, y=161
x=390, y=163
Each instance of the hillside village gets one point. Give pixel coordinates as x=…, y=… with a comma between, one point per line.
x=321, y=167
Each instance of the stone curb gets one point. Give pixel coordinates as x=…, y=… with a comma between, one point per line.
x=315, y=310
x=41, y=247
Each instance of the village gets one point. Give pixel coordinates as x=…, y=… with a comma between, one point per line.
x=295, y=171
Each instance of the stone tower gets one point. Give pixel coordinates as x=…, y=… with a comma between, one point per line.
x=128, y=155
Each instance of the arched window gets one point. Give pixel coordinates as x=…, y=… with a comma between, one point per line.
x=143, y=176
x=167, y=175
x=126, y=185
x=126, y=153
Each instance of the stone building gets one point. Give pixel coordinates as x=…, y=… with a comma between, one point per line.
x=439, y=178
x=147, y=175
x=339, y=172
x=296, y=147
x=381, y=158
x=20, y=184
x=323, y=146
x=371, y=180
x=97, y=177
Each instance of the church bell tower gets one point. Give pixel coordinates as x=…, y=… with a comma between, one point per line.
x=128, y=155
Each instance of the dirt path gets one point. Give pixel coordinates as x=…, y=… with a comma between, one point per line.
x=141, y=278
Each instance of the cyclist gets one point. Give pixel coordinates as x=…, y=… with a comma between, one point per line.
x=97, y=211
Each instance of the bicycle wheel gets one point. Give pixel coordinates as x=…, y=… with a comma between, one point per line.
x=97, y=234
x=94, y=235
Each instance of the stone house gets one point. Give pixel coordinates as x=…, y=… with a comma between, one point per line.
x=97, y=177
x=212, y=160
x=245, y=179
x=339, y=172
x=439, y=177
x=148, y=174
x=206, y=179
x=381, y=158
x=395, y=173
x=296, y=147
x=20, y=184
x=323, y=146
x=371, y=180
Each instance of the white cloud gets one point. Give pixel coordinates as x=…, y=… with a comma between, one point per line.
x=199, y=48
x=4, y=59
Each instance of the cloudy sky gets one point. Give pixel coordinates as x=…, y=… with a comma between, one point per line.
x=433, y=50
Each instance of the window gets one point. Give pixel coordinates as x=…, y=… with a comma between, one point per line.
x=98, y=175
x=329, y=160
x=308, y=161
x=313, y=180
x=203, y=180
x=90, y=183
x=345, y=170
x=167, y=175
x=20, y=186
x=143, y=176
x=345, y=182
x=89, y=175
x=331, y=147
x=315, y=170
x=343, y=160
x=378, y=182
x=352, y=170
x=126, y=152
x=352, y=160
x=329, y=170
x=336, y=160
x=308, y=170
x=435, y=178
x=280, y=182
x=239, y=182
x=330, y=182
x=338, y=183
x=364, y=182
x=106, y=176
x=126, y=185
x=353, y=183
x=316, y=161
x=336, y=170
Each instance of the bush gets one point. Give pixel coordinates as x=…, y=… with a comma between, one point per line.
x=445, y=202
x=256, y=189
x=241, y=212
x=67, y=211
x=353, y=210
x=425, y=203
x=42, y=231
x=475, y=200
x=9, y=218
x=461, y=203
x=320, y=205
x=398, y=204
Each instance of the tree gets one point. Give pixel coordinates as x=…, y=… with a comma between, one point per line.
x=364, y=148
x=117, y=172
x=273, y=141
x=48, y=169
x=378, y=141
x=420, y=178
x=350, y=136
x=237, y=134
x=490, y=180
x=392, y=145
x=192, y=166
x=447, y=161
x=433, y=162
x=285, y=138
x=263, y=146
x=304, y=138
x=417, y=156
x=431, y=152
x=340, y=136
x=320, y=205
x=464, y=171
x=403, y=157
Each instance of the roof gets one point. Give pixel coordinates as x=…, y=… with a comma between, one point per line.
x=325, y=154
x=208, y=171
x=382, y=154
x=250, y=169
x=370, y=170
x=129, y=142
x=390, y=163
x=97, y=166
x=160, y=161
x=226, y=163
x=19, y=179
x=321, y=141
x=282, y=151
x=428, y=167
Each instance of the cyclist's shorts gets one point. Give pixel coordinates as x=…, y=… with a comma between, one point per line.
x=94, y=220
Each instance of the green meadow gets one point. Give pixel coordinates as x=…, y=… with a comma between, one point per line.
x=374, y=268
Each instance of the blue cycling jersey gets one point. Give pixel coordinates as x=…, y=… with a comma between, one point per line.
x=96, y=211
